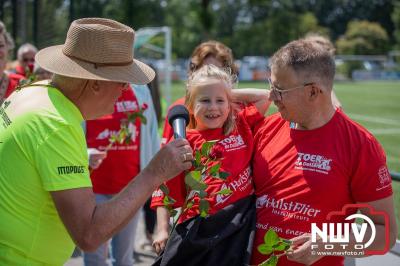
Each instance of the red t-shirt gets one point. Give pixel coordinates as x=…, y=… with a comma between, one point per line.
x=168, y=131
x=13, y=81
x=122, y=163
x=237, y=152
x=301, y=176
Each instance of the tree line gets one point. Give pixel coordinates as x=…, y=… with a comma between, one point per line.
x=249, y=27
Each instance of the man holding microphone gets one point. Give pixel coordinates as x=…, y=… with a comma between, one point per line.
x=46, y=200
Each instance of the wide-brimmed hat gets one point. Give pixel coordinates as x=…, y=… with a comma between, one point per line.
x=97, y=49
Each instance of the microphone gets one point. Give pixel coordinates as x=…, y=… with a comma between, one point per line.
x=178, y=118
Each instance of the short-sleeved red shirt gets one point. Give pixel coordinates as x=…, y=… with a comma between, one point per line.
x=301, y=176
x=237, y=152
x=122, y=163
x=13, y=81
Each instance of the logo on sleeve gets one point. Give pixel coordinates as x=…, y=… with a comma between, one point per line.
x=72, y=169
x=384, y=178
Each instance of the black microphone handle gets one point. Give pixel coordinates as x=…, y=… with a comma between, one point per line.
x=179, y=126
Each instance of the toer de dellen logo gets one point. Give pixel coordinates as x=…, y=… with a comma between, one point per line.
x=333, y=239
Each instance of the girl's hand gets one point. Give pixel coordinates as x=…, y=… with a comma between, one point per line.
x=160, y=240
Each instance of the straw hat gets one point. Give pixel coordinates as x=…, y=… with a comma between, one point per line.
x=96, y=49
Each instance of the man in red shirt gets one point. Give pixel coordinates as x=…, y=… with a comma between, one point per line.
x=114, y=166
x=311, y=159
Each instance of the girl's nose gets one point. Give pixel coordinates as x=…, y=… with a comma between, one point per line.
x=212, y=105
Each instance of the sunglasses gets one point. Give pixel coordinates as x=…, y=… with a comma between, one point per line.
x=28, y=59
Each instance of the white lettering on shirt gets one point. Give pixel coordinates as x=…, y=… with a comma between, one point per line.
x=239, y=184
x=313, y=162
x=384, y=178
x=289, y=209
x=126, y=106
x=233, y=143
x=157, y=193
x=106, y=133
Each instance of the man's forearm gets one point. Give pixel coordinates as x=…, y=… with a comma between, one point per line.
x=109, y=217
x=91, y=224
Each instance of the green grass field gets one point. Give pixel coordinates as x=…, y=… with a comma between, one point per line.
x=375, y=105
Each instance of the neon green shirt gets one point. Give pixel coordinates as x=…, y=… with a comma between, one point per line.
x=42, y=149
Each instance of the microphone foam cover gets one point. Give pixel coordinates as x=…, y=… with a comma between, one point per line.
x=178, y=111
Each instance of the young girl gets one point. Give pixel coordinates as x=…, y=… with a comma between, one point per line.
x=210, y=100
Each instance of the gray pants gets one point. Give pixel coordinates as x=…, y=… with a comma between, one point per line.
x=122, y=244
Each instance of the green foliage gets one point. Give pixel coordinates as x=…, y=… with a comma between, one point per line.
x=396, y=22
x=204, y=166
x=363, y=38
x=348, y=67
x=309, y=23
x=273, y=243
x=225, y=192
x=267, y=35
x=123, y=135
x=194, y=181
x=52, y=23
x=252, y=27
x=182, y=17
x=204, y=207
x=206, y=147
x=164, y=189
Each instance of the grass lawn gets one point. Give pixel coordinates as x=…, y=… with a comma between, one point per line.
x=373, y=104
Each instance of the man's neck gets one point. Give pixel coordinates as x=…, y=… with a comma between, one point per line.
x=318, y=118
x=73, y=95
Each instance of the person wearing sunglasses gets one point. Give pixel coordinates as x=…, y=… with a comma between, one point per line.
x=26, y=59
x=311, y=160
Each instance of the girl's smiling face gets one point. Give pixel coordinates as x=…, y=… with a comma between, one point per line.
x=211, y=105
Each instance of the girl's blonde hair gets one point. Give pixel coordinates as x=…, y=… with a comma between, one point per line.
x=201, y=77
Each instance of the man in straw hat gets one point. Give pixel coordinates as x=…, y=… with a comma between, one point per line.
x=46, y=200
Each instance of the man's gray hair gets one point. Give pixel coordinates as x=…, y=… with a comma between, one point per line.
x=308, y=60
x=26, y=47
x=68, y=83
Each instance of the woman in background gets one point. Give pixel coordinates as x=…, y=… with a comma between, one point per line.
x=8, y=81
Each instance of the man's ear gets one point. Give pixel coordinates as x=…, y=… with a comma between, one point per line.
x=94, y=86
x=314, y=90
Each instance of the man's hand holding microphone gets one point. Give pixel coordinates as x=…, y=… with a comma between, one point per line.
x=177, y=155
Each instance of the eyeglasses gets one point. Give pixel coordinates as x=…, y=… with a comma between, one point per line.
x=278, y=92
x=28, y=59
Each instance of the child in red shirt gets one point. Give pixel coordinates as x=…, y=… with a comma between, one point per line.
x=210, y=100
